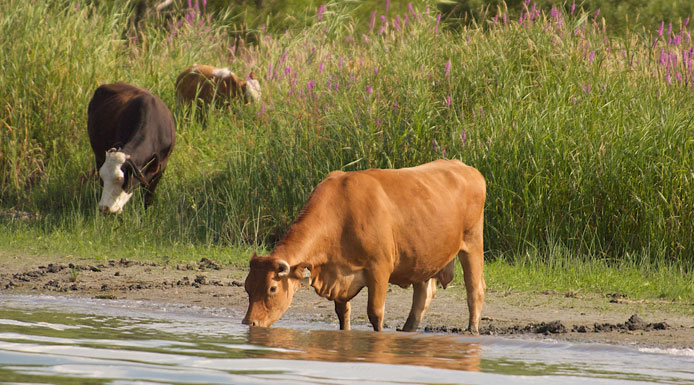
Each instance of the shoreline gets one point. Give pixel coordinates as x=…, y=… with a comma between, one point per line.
x=570, y=317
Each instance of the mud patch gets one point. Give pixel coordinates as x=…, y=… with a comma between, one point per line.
x=634, y=323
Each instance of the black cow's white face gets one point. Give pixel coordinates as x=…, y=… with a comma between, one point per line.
x=114, y=197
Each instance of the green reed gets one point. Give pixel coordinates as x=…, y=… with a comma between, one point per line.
x=585, y=139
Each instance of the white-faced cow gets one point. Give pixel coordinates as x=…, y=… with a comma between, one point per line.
x=368, y=228
x=132, y=135
x=208, y=84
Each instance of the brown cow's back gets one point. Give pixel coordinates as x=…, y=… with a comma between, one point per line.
x=412, y=217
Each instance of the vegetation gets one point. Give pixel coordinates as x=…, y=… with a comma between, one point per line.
x=585, y=139
x=636, y=15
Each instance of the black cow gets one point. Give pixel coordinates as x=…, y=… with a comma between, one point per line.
x=132, y=135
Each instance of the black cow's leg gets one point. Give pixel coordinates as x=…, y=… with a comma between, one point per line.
x=343, y=310
x=149, y=193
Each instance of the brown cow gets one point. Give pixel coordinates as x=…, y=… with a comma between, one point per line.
x=209, y=84
x=368, y=228
x=132, y=134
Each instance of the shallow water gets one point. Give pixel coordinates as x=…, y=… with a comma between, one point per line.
x=65, y=340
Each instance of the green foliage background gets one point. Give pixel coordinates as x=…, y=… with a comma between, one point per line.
x=585, y=138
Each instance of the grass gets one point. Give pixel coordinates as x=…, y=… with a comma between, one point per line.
x=585, y=138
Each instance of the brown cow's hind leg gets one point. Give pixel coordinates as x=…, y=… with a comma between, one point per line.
x=343, y=310
x=474, y=285
x=421, y=298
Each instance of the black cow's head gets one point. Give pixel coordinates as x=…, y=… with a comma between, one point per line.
x=120, y=176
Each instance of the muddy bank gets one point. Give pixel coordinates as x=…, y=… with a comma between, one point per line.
x=569, y=316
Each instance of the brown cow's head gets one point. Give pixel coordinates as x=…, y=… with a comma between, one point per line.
x=251, y=89
x=271, y=285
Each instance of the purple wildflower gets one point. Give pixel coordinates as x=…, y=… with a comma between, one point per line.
x=573, y=8
x=597, y=13
x=448, y=101
x=586, y=88
x=669, y=29
x=686, y=21
x=311, y=85
x=287, y=70
x=448, y=68
x=321, y=67
x=591, y=57
x=462, y=136
x=375, y=70
x=660, y=30
x=436, y=27
x=204, y=3
x=387, y=5
x=321, y=11
x=414, y=15
x=372, y=21
x=369, y=90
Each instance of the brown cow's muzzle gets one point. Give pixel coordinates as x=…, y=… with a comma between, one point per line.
x=249, y=322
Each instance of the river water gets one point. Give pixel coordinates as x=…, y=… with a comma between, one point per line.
x=67, y=340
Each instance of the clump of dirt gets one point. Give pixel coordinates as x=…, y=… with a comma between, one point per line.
x=634, y=323
x=546, y=328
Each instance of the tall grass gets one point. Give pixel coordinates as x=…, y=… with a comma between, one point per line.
x=585, y=140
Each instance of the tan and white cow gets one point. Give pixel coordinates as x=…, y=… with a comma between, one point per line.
x=208, y=84
x=374, y=227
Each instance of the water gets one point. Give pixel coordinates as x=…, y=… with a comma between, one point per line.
x=64, y=340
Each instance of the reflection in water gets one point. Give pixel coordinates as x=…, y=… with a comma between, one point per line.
x=434, y=351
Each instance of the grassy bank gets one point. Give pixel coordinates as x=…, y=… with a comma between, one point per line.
x=585, y=139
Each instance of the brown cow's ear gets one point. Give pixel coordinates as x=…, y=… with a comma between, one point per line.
x=302, y=272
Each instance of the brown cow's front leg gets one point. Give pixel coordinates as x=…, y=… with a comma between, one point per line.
x=377, y=301
x=343, y=310
x=421, y=298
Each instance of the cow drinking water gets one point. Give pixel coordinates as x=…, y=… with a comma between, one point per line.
x=374, y=227
x=132, y=135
